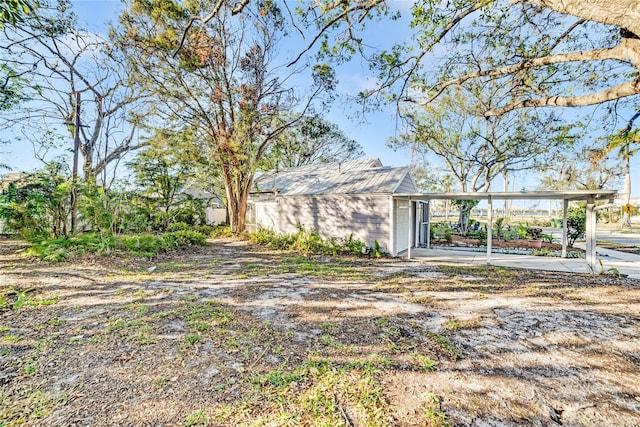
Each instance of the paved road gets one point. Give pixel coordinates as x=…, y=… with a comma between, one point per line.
x=615, y=236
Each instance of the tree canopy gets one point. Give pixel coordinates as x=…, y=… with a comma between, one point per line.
x=226, y=81
x=12, y=11
x=564, y=53
x=68, y=78
x=547, y=52
x=311, y=140
x=476, y=150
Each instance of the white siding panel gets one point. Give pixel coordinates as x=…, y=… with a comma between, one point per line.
x=407, y=186
x=215, y=215
x=267, y=215
x=366, y=217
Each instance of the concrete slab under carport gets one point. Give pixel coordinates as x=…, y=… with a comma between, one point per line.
x=626, y=264
x=589, y=196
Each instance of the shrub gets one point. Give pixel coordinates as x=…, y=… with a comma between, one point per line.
x=576, y=224
x=223, y=230
x=309, y=241
x=353, y=246
x=207, y=230
x=188, y=237
x=525, y=231
x=142, y=245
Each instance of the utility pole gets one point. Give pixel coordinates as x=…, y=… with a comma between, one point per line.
x=74, y=174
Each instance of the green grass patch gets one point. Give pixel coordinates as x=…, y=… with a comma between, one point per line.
x=28, y=407
x=196, y=418
x=334, y=268
x=142, y=245
x=316, y=393
x=15, y=300
x=423, y=362
x=445, y=345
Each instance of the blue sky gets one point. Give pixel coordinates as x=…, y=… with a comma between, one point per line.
x=372, y=132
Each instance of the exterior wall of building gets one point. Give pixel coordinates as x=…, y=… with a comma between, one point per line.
x=215, y=216
x=406, y=186
x=365, y=216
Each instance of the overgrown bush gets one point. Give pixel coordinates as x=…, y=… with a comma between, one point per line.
x=204, y=229
x=525, y=231
x=223, y=230
x=38, y=206
x=576, y=224
x=140, y=245
x=309, y=241
x=541, y=222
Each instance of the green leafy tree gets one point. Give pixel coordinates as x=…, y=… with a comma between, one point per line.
x=14, y=11
x=576, y=224
x=11, y=81
x=473, y=149
x=626, y=143
x=311, y=140
x=38, y=206
x=164, y=168
x=109, y=211
x=225, y=82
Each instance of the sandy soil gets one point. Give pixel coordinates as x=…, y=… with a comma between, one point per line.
x=119, y=341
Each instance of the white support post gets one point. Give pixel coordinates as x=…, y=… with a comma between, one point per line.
x=565, y=240
x=591, y=234
x=392, y=228
x=417, y=206
x=489, y=228
x=411, y=222
x=428, y=207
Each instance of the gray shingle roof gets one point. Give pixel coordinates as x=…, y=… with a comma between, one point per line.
x=362, y=176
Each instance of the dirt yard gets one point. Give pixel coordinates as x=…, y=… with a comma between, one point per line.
x=231, y=335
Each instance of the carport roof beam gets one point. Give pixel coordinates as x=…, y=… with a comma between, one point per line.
x=515, y=195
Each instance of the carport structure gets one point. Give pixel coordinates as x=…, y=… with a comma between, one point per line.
x=420, y=218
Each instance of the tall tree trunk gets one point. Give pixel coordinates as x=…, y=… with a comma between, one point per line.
x=463, y=221
x=626, y=217
x=505, y=180
x=74, y=173
x=237, y=198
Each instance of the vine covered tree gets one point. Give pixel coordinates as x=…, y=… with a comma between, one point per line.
x=224, y=81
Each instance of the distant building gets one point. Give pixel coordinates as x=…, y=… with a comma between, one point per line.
x=9, y=178
x=215, y=211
